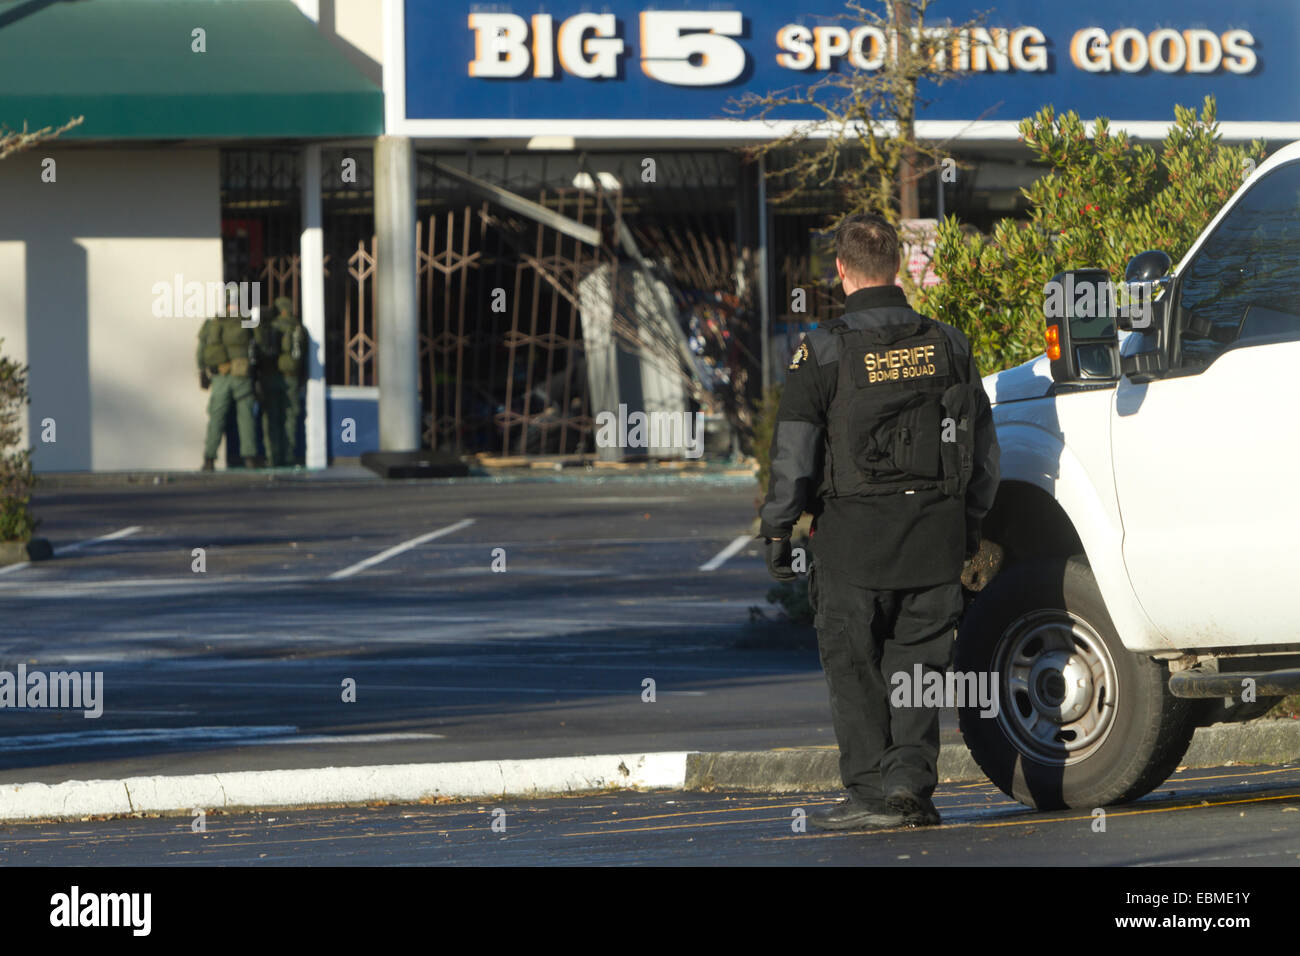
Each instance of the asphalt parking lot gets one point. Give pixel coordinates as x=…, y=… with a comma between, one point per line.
x=309, y=584
x=241, y=666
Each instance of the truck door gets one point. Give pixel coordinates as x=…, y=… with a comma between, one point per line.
x=1207, y=459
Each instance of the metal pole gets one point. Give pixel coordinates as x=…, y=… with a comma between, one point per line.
x=939, y=181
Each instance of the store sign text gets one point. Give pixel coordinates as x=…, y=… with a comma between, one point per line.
x=702, y=48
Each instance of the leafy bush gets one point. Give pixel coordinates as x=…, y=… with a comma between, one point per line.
x=16, y=478
x=792, y=597
x=1104, y=200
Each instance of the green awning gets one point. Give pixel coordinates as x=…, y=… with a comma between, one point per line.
x=128, y=67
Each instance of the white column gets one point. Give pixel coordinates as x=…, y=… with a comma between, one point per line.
x=396, y=306
x=312, y=271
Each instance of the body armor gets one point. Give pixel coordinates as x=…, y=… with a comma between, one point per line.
x=901, y=416
x=226, y=346
x=288, y=349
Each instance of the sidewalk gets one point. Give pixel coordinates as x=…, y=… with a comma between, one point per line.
x=491, y=471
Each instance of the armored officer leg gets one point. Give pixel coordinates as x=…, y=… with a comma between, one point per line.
x=921, y=643
x=218, y=408
x=292, y=415
x=276, y=402
x=242, y=395
x=847, y=620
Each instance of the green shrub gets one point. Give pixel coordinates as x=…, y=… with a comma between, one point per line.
x=792, y=597
x=16, y=478
x=1103, y=200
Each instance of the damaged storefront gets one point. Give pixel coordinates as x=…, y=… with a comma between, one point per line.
x=520, y=231
x=595, y=245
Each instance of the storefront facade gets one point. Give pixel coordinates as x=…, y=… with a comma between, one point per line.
x=108, y=229
x=542, y=216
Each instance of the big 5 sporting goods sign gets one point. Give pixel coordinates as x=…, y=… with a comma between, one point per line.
x=635, y=69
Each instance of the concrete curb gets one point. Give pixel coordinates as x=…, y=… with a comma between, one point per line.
x=779, y=771
x=769, y=771
x=24, y=552
x=788, y=771
x=331, y=785
x=13, y=552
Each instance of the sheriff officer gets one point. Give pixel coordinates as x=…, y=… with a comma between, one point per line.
x=885, y=434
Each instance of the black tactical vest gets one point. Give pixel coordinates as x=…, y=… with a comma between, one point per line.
x=900, y=418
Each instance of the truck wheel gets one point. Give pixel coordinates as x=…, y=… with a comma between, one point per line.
x=1081, y=722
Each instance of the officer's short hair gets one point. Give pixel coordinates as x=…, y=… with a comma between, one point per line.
x=868, y=247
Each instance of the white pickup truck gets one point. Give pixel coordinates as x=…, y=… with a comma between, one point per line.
x=1148, y=519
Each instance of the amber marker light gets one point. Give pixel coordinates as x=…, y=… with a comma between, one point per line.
x=1053, y=342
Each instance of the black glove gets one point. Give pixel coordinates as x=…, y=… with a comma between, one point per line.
x=205, y=380
x=972, y=542
x=779, y=559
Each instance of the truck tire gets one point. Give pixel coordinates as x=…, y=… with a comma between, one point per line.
x=1081, y=722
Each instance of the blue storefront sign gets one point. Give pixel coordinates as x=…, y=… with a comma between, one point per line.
x=636, y=68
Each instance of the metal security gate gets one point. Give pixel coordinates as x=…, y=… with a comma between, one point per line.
x=261, y=218
x=504, y=363
x=501, y=347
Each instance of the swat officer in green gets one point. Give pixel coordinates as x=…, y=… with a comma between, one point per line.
x=226, y=356
x=281, y=366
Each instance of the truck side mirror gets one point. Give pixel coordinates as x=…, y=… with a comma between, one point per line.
x=1148, y=266
x=1146, y=293
x=1145, y=277
x=1082, y=340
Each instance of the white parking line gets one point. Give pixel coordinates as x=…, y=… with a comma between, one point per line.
x=398, y=549
x=721, y=557
x=124, y=532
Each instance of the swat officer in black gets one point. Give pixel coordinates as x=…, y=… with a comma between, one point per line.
x=885, y=434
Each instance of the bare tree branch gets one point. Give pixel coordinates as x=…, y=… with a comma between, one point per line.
x=16, y=141
x=862, y=142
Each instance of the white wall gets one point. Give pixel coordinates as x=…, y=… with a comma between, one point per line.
x=13, y=307
x=356, y=28
x=361, y=23
x=78, y=260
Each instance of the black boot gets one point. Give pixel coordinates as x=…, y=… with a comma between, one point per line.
x=916, y=810
x=855, y=814
x=209, y=464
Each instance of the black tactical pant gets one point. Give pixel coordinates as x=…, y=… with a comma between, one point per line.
x=865, y=638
